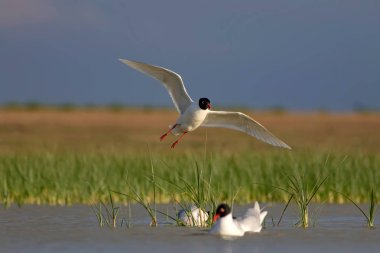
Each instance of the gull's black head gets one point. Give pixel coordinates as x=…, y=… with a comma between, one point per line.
x=221, y=211
x=204, y=103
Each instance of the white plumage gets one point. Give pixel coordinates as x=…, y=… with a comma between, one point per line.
x=194, y=114
x=226, y=225
x=171, y=81
x=195, y=216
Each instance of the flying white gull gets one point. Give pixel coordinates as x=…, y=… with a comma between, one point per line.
x=195, y=114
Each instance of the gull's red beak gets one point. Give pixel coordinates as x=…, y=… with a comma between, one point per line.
x=216, y=216
x=209, y=105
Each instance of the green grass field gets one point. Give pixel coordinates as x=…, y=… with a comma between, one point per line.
x=67, y=157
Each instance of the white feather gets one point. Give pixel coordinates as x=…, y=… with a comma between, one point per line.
x=194, y=217
x=243, y=123
x=252, y=220
x=171, y=81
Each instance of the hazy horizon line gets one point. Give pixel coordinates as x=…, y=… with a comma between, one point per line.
x=34, y=105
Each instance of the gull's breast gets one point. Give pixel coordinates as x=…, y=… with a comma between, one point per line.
x=192, y=118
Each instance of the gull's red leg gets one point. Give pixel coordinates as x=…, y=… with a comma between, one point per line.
x=166, y=134
x=176, y=142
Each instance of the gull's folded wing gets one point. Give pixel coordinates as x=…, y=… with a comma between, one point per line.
x=252, y=220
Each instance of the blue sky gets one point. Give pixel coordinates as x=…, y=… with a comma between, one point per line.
x=301, y=55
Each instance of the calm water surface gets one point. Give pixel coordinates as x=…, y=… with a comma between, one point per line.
x=337, y=228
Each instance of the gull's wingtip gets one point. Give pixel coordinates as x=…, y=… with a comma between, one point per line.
x=132, y=64
x=282, y=144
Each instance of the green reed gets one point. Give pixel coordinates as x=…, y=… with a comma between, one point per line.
x=142, y=200
x=299, y=191
x=109, y=215
x=64, y=179
x=370, y=217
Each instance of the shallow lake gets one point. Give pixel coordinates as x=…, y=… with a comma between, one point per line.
x=335, y=228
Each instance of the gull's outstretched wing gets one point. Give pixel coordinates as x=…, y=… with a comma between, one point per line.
x=171, y=81
x=241, y=122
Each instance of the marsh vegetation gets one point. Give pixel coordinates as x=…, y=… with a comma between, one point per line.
x=78, y=156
